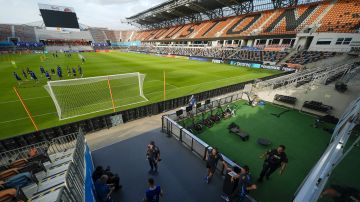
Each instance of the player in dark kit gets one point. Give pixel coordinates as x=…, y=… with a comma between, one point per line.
x=24, y=74
x=33, y=76
x=74, y=71
x=47, y=75
x=274, y=159
x=59, y=72
x=17, y=77
x=42, y=70
x=80, y=71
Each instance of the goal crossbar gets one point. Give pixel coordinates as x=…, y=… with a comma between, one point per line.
x=83, y=96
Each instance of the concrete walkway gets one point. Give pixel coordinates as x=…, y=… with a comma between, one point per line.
x=180, y=174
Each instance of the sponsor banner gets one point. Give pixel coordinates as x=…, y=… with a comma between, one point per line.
x=218, y=61
x=199, y=58
x=243, y=64
x=270, y=67
x=257, y=66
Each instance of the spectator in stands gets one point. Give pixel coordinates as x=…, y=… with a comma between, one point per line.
x=153, y=193
x=274, y=159
x=103, y=190
x=342, y=193
x=153, y=156
x=213, y=156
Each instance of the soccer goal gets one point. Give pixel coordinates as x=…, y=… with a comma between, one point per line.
x=78, y=97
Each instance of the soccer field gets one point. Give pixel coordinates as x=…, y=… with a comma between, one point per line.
x=183, y=77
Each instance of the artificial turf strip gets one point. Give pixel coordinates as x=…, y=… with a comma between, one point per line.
x=183, y=77
x=305, y=144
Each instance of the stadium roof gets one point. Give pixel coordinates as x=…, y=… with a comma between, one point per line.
x=174, y=12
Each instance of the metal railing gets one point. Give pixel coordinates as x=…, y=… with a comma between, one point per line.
x=56, y=145
x=189, y=140
x=72, y=189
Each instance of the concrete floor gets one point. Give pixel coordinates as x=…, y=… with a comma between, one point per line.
x=180, y=174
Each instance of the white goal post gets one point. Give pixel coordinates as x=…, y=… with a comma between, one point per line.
x=82, y=96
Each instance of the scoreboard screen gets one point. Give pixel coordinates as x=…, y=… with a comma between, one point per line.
x=59, y=16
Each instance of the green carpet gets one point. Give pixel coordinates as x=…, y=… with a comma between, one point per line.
x=304, y=143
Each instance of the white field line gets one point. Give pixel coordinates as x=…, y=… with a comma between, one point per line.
x=155, y=92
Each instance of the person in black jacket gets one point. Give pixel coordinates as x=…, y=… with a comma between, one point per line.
x=274, y=159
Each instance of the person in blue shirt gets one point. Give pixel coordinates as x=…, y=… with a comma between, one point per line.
x=103, y=190
x=153, y=193
x=59, y=72
x=33, y=76
x=47, y=75
x=42, y=70
x=17, y=77
x=244, y=185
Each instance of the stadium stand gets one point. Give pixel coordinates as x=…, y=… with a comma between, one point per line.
x=61, y=175
x=242, y=25
x=305, y=57
x=215, y=52
x=110, y=35
x=343, y=17
x=25, y=33
x=5, y=32
x=98, y=34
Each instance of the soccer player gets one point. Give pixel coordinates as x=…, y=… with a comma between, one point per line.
x=59, y=72
x=52, y=71
x=24, y=74
x=74, y=71
x=47, y=75
x=42, y=70
x=68, y=70
x=33, y=76
x=17, y=77
x=80, y=71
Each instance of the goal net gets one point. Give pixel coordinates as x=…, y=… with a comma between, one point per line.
x=77, y=97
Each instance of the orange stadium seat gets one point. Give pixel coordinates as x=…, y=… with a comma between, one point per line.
x=342, y=17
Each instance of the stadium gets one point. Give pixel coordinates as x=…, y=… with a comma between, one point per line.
x=223, y=100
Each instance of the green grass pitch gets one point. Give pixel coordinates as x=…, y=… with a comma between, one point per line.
x=183, y=77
